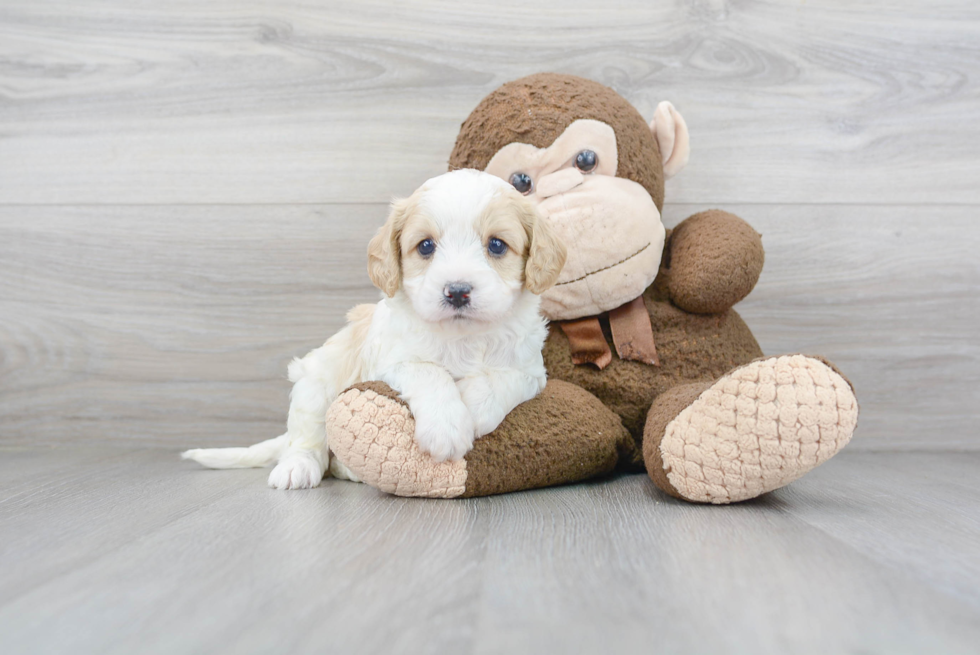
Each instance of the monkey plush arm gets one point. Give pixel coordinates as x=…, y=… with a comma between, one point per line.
x=712, y=261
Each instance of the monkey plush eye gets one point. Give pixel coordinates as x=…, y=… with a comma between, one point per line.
x=426, y=247
x=496, y=246
x=586, y=161
x=521, y=182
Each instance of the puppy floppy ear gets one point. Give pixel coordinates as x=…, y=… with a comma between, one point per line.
x=384, y=251
x=546, y=252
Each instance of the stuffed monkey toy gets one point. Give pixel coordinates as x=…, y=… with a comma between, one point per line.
x=648, y=364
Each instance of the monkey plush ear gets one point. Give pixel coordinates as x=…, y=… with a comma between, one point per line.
x=670, y=131
x=384, y=251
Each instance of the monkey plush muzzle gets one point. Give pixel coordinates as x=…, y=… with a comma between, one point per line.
x=614, y=237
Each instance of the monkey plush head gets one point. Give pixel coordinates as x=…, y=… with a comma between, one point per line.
x=596, y=169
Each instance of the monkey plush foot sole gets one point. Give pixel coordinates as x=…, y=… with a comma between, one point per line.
x=564, y=435
x=754, y=430
x=372, y=432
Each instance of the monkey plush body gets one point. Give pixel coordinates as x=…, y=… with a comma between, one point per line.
x=648, y=365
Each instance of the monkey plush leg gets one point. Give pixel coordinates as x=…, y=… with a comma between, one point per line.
x=564, y=435
x=753, y=430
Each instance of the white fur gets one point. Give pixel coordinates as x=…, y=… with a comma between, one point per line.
x=460, y=371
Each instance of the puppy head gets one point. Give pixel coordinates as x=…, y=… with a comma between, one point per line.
x=465, y=247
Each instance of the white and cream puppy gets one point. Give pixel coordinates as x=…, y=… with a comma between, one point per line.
x=458, y=334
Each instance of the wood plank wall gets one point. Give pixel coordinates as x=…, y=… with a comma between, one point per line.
x=187, y=188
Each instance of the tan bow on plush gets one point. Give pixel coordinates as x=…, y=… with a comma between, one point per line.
x=631, y=331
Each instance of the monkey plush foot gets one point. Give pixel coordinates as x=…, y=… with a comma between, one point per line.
x=756, y=429
x=564, y=435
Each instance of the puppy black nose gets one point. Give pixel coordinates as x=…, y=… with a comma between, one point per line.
x=457, y=294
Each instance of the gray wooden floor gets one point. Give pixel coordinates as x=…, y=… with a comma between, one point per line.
x=186, y=192
x=109, y=550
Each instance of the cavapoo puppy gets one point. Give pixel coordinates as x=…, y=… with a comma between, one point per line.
x=459, y=335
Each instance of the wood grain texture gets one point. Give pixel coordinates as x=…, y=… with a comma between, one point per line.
x=186, y=193
x=174, y=325
x=139, y=552
x=170, y=322
x=255, y=101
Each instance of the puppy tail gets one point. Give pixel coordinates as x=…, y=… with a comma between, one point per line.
x=261, y=454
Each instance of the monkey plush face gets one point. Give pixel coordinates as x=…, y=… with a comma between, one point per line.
x=596, y=170
x=610, y=224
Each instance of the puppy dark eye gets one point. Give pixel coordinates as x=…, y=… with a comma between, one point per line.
x=586, y=161
x=521, y=182
x=426, y=247
x=496, y=246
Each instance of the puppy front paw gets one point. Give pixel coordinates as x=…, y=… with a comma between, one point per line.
x=296, y=471
x=477, y=395
x=444, y=431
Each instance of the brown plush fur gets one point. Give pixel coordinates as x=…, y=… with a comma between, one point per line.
x=714, y=260
x=692, y=347
x=564, y=435
x=536, y=109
